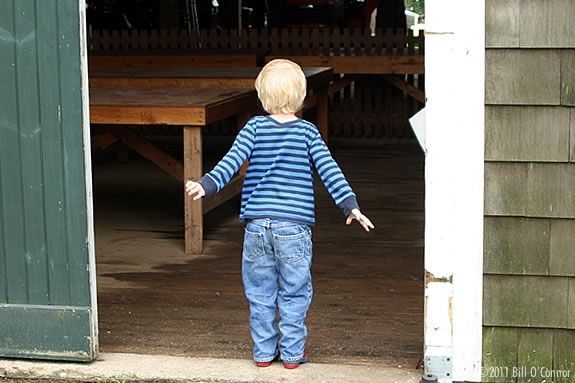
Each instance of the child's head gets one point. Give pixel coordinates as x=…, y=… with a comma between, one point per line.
x=281, y=87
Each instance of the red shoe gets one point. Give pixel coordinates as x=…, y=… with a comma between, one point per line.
x=267, y=364
x=295, y=364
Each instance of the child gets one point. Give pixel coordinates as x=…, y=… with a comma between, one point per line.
x=278, y=208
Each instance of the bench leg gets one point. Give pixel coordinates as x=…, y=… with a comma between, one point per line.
x=241, y=120
x=193, y=215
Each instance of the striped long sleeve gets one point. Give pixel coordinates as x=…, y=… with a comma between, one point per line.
x=221, y=175
x=332, y=176
x=279, y=179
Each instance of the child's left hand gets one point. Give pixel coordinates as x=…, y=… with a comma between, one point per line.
x=362, y=219
x=195, y=188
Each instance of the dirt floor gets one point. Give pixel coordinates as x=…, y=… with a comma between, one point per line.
x=368, y=287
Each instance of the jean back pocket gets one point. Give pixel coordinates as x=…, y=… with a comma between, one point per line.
x=253, y=245
x=292, y=247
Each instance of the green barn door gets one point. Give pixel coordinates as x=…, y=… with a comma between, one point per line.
x=47, y=271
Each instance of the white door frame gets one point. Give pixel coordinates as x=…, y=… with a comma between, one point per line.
x=88, y=169
x=454, y=85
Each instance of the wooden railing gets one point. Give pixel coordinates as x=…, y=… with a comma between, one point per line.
x=306, y=41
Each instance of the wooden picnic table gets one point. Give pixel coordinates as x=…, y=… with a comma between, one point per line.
x=190, y=109
x=318, y=81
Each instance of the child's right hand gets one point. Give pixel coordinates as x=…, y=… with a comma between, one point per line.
x=195, y=189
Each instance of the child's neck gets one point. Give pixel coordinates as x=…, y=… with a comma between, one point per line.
x=284, y=117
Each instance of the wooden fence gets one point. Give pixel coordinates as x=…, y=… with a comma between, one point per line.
x=305, y=41
x=370, y=106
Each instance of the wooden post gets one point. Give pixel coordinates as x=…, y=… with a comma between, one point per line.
x=193, y=215
x=241, y=120
x=321, y=110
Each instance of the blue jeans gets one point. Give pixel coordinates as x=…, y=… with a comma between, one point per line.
x=276, y=273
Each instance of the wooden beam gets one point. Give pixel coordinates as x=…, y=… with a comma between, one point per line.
x=309, y=102
x=138, y=115
x=167, y=61
x=142, y=146
x=322, y=112
x=390, y=64
x=102, y=141
x=408, y=88
x=170, y=82
x=340, y=83
x=232, y=189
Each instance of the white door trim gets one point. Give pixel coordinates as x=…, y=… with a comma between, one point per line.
x=88, y=171
x=455, y=77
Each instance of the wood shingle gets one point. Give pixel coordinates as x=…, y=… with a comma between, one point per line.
x=526, y=301
x=502, y=23
x=534, y=133
x=530, y=77
x=514, y=245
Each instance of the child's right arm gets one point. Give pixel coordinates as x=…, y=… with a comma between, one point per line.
x=215, y=180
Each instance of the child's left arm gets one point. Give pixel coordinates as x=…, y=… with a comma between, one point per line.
x=336, y=184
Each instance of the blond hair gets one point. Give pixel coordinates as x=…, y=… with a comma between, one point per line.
x=281, y=86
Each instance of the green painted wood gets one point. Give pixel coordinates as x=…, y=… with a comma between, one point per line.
x=522, y=77
x=502, y=23
x=571, y=308
x=514, y=245
x=505, y=188
x=534, y=355
x=527, y=133
x=550, y=190
x=53, y=153
x=562, y=247
x=3, y=277
x=30, y=145
x=499, y=354
x=45, y=266
x=564, y=356
x=568, y=75
x=44, y=331
x=16, y=276
x=547, y=24
x=525, y=301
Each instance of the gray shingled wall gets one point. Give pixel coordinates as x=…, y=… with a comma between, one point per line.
x=529, y=266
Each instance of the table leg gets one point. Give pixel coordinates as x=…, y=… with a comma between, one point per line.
x=321, y=108
x=193, y=215
x=241, y=120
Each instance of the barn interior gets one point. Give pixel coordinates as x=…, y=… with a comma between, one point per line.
x=155, y=297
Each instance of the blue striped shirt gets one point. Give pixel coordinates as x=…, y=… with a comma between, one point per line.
x=279, y=179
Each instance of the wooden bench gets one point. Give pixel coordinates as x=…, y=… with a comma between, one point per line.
x=190, y=109
x=318, y=81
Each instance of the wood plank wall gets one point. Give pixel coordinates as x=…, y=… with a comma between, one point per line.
x=369, y=107
x=529, y=266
